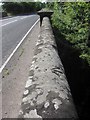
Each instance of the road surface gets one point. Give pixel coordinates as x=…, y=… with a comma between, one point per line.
x=15, y=74
x=13, y=30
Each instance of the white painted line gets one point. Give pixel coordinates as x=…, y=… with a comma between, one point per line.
x=8, y=18
x=2, y=67
x=24, y=17
x=15, y=20
x=9, y=22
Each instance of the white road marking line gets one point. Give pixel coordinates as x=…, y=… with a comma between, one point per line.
x=9, y=23
x=15, y=20
x=24, y=17
x=8, y=18
x=2, y=67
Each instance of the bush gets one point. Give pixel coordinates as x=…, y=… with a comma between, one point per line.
x=72, y=19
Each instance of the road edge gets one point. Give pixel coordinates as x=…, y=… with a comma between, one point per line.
x=8, y=59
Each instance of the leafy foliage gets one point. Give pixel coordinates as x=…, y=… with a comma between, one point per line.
x=22, y=7
x=49, y=5
x=72, y=20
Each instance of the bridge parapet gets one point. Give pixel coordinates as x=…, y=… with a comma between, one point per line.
x=47, y=93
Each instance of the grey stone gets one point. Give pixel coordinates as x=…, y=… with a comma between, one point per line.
x=50, y=95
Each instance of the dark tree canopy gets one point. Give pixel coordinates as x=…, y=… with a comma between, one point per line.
x=22, y=7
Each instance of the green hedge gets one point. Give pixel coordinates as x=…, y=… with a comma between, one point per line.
x=72, y=20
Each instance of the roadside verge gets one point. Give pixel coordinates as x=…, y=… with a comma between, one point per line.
x=15, y=74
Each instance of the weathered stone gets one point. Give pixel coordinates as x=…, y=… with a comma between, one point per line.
x=46, y=105
x=28, y=83
x=26, y=92
x=49, y=93
x=32, y=114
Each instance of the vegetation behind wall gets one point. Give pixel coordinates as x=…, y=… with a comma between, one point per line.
x=72, y=19
x=71, y=28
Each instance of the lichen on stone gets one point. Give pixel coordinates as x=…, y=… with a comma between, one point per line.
x=56, y=102
x=46, y=105
x=26, y=92
x=28, y=83
x=32, y=114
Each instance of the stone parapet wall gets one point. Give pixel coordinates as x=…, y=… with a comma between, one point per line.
x=47, y=93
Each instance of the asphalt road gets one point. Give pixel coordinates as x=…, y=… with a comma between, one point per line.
x=13, y=30
x=15, y=75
